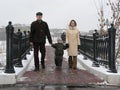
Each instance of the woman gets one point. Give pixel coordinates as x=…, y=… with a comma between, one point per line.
x=73, y=40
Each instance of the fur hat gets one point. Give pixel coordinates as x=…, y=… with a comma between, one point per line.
x=39, y=14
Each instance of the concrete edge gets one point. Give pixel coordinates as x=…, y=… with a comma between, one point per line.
x=7, y=79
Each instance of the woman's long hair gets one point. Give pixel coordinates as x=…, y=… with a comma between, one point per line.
x=73, y=21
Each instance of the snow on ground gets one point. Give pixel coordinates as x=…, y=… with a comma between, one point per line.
x=102, y=69
x=24, y=62
x=2, y=46
x=31, y=65
x=2, y=55
x=19, y=71
x=102, y=72
x=2, y=61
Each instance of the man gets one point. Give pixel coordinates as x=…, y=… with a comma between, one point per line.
x=38, y=34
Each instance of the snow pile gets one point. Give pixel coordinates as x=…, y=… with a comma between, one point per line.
x=2, y=46
x=2, y=55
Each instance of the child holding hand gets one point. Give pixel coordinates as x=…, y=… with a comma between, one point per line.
x=59, y=51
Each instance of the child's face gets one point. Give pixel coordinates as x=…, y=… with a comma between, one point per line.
x=59, y=41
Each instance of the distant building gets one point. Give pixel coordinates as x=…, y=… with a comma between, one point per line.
x=22, y=27
x=57, y=32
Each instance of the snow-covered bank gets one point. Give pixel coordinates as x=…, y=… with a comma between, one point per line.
x=2, y=61
x=2, y=46
x=2, y=55
x=101, y=72
x=6, y=78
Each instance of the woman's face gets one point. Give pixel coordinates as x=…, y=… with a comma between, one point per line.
x=72, y=24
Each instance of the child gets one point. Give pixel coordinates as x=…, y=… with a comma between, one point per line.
x=59, y=51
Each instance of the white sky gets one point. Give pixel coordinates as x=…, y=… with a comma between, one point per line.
x=57, y=13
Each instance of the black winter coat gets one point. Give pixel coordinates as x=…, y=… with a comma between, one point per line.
x=39, y=32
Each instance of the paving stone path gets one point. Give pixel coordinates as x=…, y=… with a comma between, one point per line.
x=51, y=75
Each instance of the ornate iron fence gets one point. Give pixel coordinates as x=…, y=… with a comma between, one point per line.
x=17, y=47
x=100, y=49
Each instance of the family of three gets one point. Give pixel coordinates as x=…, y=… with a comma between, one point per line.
x=40, y=31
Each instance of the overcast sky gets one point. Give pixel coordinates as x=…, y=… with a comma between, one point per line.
x=57, y=13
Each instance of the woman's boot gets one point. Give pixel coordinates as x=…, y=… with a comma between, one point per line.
x=70, y=62
x=74, y=62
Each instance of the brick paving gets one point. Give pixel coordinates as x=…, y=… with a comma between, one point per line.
x=52, y=75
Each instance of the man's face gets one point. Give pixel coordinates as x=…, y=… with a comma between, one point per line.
x=39, y=17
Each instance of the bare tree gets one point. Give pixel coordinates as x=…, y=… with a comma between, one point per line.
x=101, y=16
x=115, y=8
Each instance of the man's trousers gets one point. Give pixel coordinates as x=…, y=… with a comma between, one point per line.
x=39, y=46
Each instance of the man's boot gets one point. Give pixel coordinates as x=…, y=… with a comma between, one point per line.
x=74, y=62
x=36, y=69
x=70, y=62
x=43, y=66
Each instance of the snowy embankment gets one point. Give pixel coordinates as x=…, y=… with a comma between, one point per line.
x=2, y=55
x=6, y=78
x=101, y=72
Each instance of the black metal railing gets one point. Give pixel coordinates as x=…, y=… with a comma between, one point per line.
x=86, y=46
x=100, y=49
x=18, y=46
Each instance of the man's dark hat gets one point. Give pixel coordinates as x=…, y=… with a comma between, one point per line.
x=39, y=13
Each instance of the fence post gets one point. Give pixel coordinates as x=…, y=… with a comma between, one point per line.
x=111, y=55
x=19, y=63
x=25, y=45
x=85, y=57
x=28, y=42
x=31, y=46
x=9, y=38
x=95, y=63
